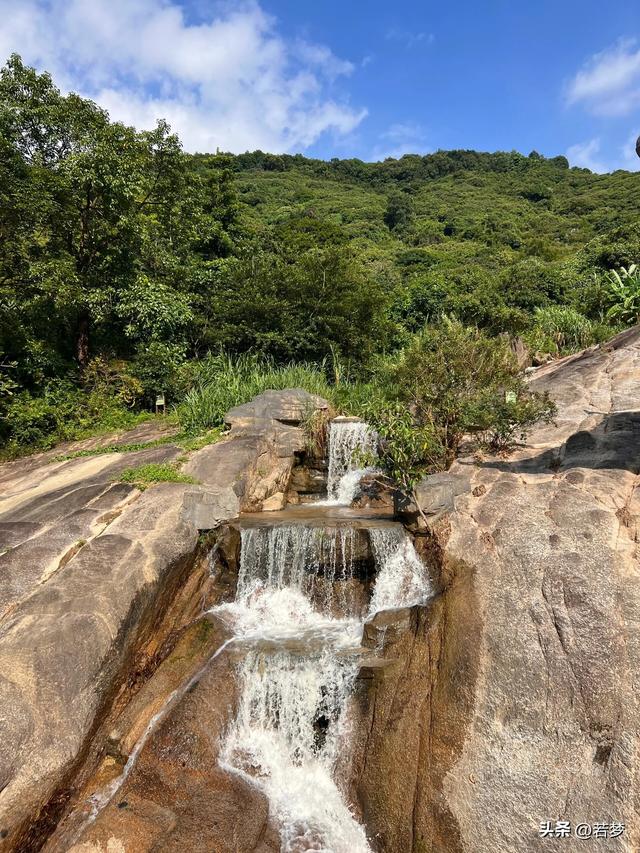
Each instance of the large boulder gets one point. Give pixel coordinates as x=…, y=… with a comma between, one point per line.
x=266, y=434
x=176, y=795
x=529, y=707
x=285, y=407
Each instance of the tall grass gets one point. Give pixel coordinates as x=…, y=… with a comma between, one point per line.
x=562, y=329
x=222, y=382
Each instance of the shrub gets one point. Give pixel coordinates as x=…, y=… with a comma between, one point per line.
x=111, y=379
x=407, y=450
x=62, y=412
x=8, y=385
x=157, y=368
x=624, y=295
x=560, y=329
x=453, y=381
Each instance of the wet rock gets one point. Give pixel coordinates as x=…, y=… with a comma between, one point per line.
x=307, y=481
x=371, y=493
x=274, y=503
x=390, y=716
x=346, y=419
x=177, y=796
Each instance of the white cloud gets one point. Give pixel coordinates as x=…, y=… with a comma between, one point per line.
x=231, y=81
x=399, y=139
x=609, y=82
x=585, y=155
x=589, y=155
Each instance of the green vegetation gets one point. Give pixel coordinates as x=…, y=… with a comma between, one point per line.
x=185, y=441
x=561, y=329
x=116, y=448
x=450, y=382
x=62, y=412
x=146, y=475
x=222, y=382
x=129, y=268
x=190, y=443
x=624, y=295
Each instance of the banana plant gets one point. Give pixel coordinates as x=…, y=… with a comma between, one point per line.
x=624, y=294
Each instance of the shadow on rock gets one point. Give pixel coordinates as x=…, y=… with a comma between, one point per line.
x=613, y=444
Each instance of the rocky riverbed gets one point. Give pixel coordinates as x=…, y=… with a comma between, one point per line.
x=507, y=699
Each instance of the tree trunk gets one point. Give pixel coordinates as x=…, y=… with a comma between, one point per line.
x=82, y=340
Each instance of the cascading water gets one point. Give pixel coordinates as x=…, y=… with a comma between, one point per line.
x=299, y=668
x=349, y=441
x=401, y=580
x=311, y=560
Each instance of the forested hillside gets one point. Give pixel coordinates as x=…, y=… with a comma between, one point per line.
x=128, y=267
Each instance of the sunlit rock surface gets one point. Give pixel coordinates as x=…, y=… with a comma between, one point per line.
x=89, y=568
x=530, y=704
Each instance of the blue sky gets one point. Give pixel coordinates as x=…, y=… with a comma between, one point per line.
x=352, y=79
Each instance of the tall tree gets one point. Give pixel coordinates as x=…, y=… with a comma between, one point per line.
x=100, y=214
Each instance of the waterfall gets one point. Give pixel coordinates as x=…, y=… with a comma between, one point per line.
x=348, y=440
x=401, y=578
x=289, y=730
x=299, y=667
x=314, y=561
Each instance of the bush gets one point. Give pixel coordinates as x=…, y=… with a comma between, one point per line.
x=624, y=295
x=157, y=368
x=110, y=379
x=449, y=382
x=560, y=329
x=407, y=450
x=63, y=412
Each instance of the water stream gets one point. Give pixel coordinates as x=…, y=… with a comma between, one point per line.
x=349, y=443
x=305, y=588
x=301, y=658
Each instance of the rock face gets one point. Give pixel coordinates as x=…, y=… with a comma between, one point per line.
x=391, y=719
x=266, y=436
x=96, y=578
x=528, y=671
x=176, y=795
x=509, y=701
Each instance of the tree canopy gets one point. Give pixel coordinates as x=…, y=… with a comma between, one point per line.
x=123, y=257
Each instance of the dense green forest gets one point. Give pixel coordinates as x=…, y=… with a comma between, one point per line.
x=128, y=267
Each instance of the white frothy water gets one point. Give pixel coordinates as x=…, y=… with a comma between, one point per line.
x=315, y=561
x=349, y=442
x=401, y=578
x=299, y=669
x=287, y=734
x=296, y=678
